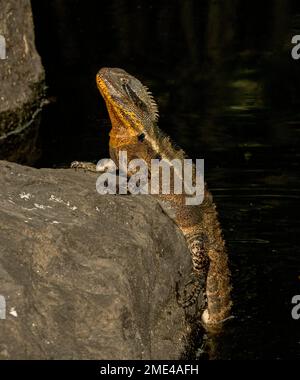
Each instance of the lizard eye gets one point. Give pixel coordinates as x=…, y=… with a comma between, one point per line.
x=133, y=96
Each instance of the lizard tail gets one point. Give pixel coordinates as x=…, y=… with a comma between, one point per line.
x=197, y=283
x=210, y=276
x=218, y=289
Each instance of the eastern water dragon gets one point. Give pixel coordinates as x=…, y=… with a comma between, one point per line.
x=134, y=115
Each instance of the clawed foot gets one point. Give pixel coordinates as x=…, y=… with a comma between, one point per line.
x=191, y=292
x=102, y=166
x=87, y=166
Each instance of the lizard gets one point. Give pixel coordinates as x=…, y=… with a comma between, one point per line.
x=133, y=113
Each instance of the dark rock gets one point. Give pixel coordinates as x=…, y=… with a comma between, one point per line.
x=87, y=276
x=22, y=84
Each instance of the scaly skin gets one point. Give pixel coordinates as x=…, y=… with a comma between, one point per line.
x=133, y=114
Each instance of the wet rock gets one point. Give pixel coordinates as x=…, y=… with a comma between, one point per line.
x=87, y=276
x=22, y=84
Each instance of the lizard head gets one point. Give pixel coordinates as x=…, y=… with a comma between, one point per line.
x=129, y=102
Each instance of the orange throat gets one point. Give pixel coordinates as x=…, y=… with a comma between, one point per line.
x=122, y=132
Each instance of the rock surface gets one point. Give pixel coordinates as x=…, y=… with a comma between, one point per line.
x=86, y=276
x=22, y=83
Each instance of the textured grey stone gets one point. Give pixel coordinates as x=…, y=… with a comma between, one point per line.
x=87, y=276
x=21, y=83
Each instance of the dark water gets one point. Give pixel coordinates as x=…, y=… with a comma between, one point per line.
x=256, y=187
x=229, y=92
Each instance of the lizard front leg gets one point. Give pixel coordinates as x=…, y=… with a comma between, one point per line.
x=87, y=166
x=99, y=168
x=90, y=166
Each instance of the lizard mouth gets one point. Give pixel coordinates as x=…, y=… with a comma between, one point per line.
x=101, y=82
x=108, y=86
x=124, y=122
x=118, y=87
x=107, y=80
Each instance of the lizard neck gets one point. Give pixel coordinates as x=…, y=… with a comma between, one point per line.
x=122, y=132
x=126, y=125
